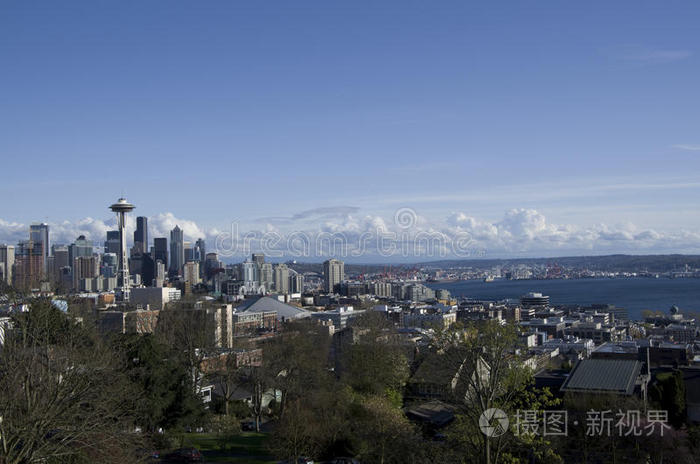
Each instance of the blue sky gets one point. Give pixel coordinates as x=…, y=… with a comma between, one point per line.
x=585, y=113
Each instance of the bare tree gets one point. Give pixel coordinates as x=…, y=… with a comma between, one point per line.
x=191, y=332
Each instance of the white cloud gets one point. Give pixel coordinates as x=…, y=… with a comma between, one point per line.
x=686, y=147
x=373, y=238
x=656, y=56
x=161, y=224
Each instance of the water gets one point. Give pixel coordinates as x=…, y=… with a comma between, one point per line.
x=633, y=294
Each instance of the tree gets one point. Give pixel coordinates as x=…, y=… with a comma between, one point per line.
x=668, y=391
x=488, y=374
x=64, y=397
x=297, y=360
x=375, y=364
x=229, y=380
x=258, y=381
x=165, y=396
x=297, y=433
x=382, y=432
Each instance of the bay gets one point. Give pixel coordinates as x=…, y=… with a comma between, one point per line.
x=634, y=294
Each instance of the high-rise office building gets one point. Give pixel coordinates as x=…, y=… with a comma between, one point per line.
x=143, y=266
x=159, y=274
x=259, y=259
x=281, y=278
x=81, y=247
x=189, y=252
x=191, y=272
x=177, y=251
x=211, y=264
x=113, y=243
x=28, y=271
x=296, y=282
x=250, y=273
x=333, y=274
x=141, y=235
x=60, y=265
x=39, y=234
x=200, y=254
x=85, y=268
x=267, y=276
x=7, y=260
x=110, y=263
x=160, y=250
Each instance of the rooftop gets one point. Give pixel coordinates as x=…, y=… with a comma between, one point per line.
x=265, y=303
x=603, y=375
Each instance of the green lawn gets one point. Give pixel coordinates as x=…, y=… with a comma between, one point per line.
x=248, y=447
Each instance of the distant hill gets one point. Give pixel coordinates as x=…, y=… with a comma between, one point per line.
x=619, y=263
x=610, y=263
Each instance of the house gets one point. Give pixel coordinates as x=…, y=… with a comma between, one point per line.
x=439, y=375
x=232, y=359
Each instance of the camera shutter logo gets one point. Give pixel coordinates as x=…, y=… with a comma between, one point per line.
x=493, y=422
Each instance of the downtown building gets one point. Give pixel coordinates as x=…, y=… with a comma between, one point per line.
x=333, y=274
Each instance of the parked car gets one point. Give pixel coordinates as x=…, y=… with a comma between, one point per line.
x=148, y=454
x=248, y=426
x=301, y=460
x=343, y=460
x=184, y=455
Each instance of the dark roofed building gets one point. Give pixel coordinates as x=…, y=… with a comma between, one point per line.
x=284, y=311
x=617, y=376
x=433, y=414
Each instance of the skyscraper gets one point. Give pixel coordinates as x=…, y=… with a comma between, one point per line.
x=61, y=264
x=113, y=243
x=7, y=260
x=29, y=265
x=267, y=276
x=259, y=259
x=282, y=278
x=200, y=254
x=333, y=274
x=251, y=275
x=160, y=274
x=81, y=247
x=189, y=252
x=296, y=282
x=177, y=251
x=191, y=272
x=211, y=264
x=110, y=263
x=85, y=268
x=141, y=235
x=160, y=250
x=148, y=269
x=39, y=234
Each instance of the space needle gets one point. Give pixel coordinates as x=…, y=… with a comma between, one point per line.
x=121, y=207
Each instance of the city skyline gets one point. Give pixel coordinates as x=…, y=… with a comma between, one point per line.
x=539, y=130
x=405, y=237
